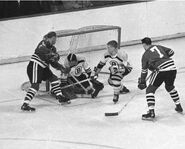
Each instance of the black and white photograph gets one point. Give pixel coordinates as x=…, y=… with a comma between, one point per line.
x=92, y=74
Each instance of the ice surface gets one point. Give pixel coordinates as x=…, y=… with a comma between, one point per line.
x=82, y=125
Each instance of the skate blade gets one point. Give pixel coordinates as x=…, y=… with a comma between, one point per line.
x=28, y=111
x=115, y=102
x=149, y=119
x=65, y=103
x=182, y=113
x=124, y=92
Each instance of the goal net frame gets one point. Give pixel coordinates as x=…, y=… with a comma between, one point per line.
x=87, y=30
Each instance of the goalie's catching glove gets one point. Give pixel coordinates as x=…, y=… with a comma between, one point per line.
x=141, y=84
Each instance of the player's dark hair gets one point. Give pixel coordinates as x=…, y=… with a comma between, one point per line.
x=113, y=43
x=50, y=35
x=71, y=57
x=147, y=41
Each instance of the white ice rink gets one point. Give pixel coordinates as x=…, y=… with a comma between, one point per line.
x=82, y=125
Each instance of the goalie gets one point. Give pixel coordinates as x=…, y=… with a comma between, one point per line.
x=78, y=73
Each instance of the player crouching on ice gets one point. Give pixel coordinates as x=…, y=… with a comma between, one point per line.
x=119, y=67
x=38, y=70
x=158, y=59
x=79, y=74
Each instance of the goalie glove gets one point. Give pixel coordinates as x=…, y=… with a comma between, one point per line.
x=141, y=84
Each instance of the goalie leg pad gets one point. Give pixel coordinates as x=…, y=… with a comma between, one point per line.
x=97, y=84
x=68, y=92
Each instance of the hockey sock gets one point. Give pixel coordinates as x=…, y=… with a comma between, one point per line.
x=29, y=95
x=55, y=88
x=175, y=96
x=150, y=100
x=117, y=89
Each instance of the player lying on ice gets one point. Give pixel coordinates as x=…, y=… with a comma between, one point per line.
x=119, y=68
x=38, y=70
x=79, y=73
x=158, y=59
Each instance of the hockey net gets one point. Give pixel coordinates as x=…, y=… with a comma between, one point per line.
x=84, y=41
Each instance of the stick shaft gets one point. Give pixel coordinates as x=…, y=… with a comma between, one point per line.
x=78, y=82
x=75, y=83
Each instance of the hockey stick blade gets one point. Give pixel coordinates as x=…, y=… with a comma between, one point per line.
x=112, y=114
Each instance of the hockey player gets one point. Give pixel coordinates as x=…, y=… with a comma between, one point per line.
x=38, y=70
x=119, y=67
x=158, y=59
x=78, y=70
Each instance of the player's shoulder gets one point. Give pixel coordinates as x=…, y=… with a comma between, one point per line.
x=41, y=44
x=121, y=54
x=157, y=46
x=80, y=59
x=106, y=54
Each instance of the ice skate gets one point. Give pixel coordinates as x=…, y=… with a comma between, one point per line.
x=149, y=116
x=26, y=107
x=63, y=100
x=179, y=108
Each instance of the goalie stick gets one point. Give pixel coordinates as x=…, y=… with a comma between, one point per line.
x=118, y=112
x=25, y=86
x=80, y=83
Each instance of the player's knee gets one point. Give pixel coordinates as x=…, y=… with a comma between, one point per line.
x=110, y=82
x=169, y=88
x=35, y=86
x=151, y=89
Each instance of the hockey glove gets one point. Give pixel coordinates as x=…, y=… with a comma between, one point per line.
x=141, y=84
x=93, y=75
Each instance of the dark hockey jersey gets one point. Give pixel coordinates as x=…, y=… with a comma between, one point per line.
x=43, y=55
x=157, y=58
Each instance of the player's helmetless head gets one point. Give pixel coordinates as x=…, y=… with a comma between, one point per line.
x=146, y=42
x=51, y=37
x=72, y=59
x=112, y=47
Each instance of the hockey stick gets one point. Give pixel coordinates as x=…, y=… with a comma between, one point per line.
x=75, y=83
x=78, y=82
x=132, y=97
x=118, y=112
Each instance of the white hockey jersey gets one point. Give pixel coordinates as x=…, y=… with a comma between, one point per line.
x=121, y=58
x=81, y=67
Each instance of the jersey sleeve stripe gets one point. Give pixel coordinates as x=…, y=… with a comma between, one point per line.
x=119, y=58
